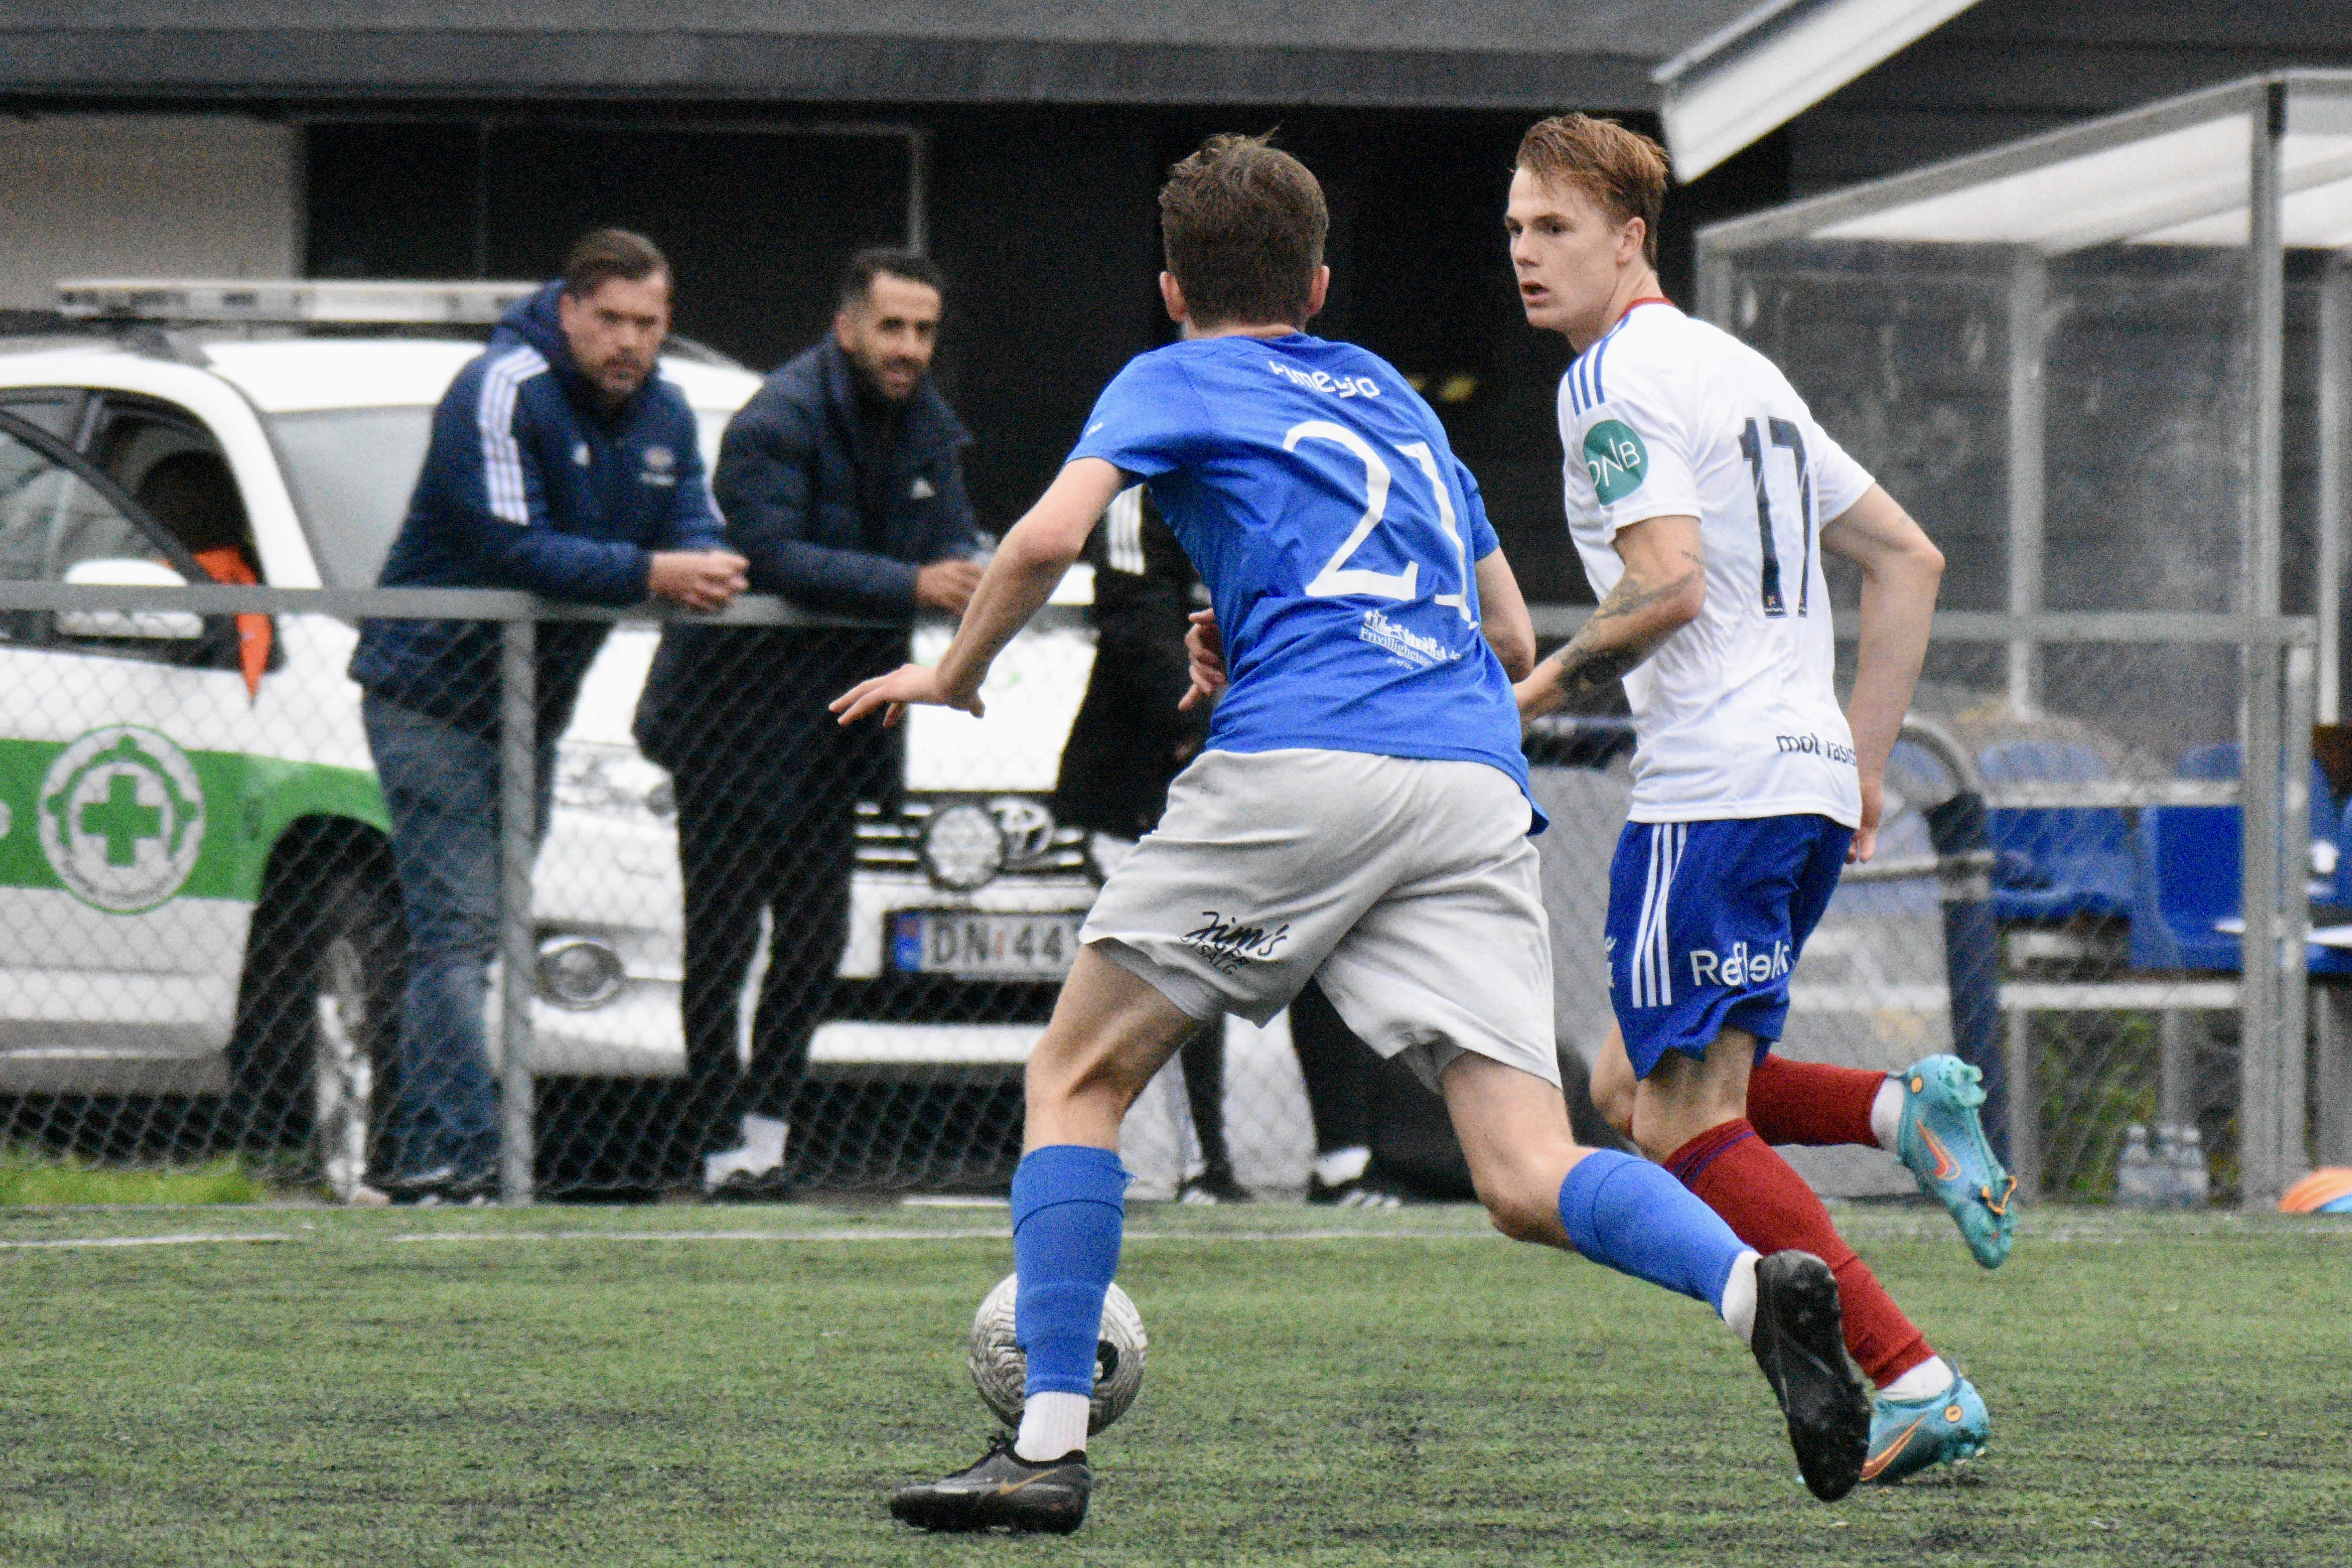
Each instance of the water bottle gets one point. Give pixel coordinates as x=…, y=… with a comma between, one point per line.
x=2139, y=1182
x=2193, y=1183
x=2171, y=1188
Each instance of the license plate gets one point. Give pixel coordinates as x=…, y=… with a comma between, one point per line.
x=949, y=941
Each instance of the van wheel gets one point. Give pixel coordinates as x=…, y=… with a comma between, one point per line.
x=324, y=976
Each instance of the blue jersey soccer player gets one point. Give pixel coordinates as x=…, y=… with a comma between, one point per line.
x=1358, y=814
x=1702, y=497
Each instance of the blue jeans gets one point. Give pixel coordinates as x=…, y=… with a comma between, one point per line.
x=440, y=783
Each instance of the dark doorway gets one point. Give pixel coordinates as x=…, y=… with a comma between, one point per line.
x=756, y=222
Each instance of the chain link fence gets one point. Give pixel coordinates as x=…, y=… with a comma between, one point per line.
x=2093, y=433
x=210, y=948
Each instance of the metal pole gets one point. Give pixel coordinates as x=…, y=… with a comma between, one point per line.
x=2294, y=915
x=518, y=805
x=2334, y=370
x=2024, y=1154
x=1716, y=275
x=2029, y=282
x=2335, y=1075
x=2260, y=1155
x=1957, y=829
x=918, y=190
x=2175, y=1082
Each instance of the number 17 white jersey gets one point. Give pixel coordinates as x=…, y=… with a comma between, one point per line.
x=1737, y=713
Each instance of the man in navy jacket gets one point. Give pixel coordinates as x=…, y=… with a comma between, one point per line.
x=843, y=485
x=562, y=464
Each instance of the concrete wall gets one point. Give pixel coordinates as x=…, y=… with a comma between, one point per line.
x=92, y=195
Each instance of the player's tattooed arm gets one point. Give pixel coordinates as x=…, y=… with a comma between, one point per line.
x=1662, y=590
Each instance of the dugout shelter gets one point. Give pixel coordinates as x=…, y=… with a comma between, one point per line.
x=2108, y=369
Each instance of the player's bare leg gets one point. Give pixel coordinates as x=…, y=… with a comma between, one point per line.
x=1111, y=1033
x=1540, y=1186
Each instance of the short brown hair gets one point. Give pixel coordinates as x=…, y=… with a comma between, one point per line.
x=609, y=253
x=1243, y=226
x=1623, y=172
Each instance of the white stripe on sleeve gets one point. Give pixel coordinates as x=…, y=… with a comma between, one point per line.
x=1123, y=531
x=501, y=455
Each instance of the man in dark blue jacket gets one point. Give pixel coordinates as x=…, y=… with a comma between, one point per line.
x=842, y=484
x=562, y=464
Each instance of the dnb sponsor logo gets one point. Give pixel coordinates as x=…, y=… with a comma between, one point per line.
x=1739, y=966
x=1616, y=460
x=1814, y=746
x=1227, y=944
x=122, y=819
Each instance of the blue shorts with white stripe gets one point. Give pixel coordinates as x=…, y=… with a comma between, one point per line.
x=1706, y=921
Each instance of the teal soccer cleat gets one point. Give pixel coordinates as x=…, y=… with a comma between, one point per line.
x=1941, y=1141
x=1910, y=1435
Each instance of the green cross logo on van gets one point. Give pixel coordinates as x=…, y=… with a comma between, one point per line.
x=1615, y=457
x=122, y=818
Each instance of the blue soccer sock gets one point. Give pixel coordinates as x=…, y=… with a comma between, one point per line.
x=1069, y=1209
x=1636, y=1218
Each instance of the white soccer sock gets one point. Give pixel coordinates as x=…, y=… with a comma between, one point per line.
x=1052, y=1424
x=1738, y=1303
x=1929, y=1378
x=1342, y=1164
x=1886, y=1112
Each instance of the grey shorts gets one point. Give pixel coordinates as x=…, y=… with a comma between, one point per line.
x=1407, y=886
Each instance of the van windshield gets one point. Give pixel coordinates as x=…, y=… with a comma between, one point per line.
x=351, y=471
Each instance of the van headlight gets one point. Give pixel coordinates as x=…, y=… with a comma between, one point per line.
x=964, y=848
x=579, y=972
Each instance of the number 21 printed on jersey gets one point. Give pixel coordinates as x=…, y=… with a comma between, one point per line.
x=1338, y=577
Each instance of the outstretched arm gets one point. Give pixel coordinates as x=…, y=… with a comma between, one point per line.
x=1900, y=571
x=1503, y=616
x=1663, y=589
x=1031, y=560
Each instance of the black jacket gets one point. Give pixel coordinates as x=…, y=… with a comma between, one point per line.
x=1129, y=741
x=749, y=705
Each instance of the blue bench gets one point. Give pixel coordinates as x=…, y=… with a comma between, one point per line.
x=2055, y=863
x=2192, y=874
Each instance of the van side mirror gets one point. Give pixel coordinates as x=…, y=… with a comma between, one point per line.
x=171, y=626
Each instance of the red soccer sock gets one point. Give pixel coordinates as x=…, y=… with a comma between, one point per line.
x=1769, y=1206
x=1811, y=1102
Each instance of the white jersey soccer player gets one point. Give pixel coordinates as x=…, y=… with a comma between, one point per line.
x=1736, y=715
x=1702, y=496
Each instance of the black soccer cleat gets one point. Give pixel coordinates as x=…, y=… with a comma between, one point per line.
x=1004, y=1490
x=1800, y=1345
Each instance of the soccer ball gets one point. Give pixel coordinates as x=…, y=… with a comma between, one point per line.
x=998, y=1369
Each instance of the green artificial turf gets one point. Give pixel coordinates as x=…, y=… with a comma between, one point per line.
x=681, y=1385
x=33, y=1180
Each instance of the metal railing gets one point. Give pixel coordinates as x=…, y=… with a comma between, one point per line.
x=2269, y=999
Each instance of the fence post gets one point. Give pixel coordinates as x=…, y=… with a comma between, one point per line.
x=1956, y=827
x=2269, y=883
x=2294, y=912
x=2029, y=280
x=517, y=834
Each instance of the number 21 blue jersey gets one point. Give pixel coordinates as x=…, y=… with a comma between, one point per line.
x=1338, y=535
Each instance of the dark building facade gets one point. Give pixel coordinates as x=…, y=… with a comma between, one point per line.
x=1022, y=142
